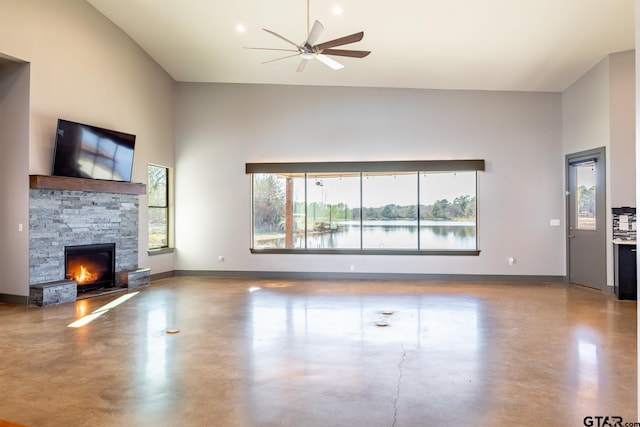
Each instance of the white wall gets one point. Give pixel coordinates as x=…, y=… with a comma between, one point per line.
x=84, y=68
x=14, y=161
x=220, y=127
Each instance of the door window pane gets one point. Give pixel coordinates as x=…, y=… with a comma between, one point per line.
x=585, y=196
x=447, y=210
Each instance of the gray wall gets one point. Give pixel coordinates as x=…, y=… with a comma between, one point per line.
x=92, y=72
x=14, y=163
x=220, y=127
x=623, y=136
x=598, y=111
x=82, y=68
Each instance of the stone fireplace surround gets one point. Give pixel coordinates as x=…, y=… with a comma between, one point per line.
x=74, y=211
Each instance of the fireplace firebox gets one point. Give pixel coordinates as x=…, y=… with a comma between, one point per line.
x=91, y=266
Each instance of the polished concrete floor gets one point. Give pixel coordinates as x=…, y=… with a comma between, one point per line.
x=196, y=351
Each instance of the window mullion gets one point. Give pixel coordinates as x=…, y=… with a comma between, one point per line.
x=306, y=210
x=418, y=207
x=361, y=214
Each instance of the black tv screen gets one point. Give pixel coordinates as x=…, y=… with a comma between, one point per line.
x=86, y=151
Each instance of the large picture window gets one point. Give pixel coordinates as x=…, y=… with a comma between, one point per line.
x=415, y=207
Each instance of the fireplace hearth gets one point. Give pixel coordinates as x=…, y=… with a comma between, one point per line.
x=64, y=215
x=91, y=266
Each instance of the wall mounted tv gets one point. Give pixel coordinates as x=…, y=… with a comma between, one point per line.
x=86, y=151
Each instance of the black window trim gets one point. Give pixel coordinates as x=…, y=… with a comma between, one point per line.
x=354, y=167
x=168, y=248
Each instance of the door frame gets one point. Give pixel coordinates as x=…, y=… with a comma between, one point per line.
x=600, y=153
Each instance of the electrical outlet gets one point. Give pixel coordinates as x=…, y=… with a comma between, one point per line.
x=352, y=267
x=511, y=260
x=220, y=258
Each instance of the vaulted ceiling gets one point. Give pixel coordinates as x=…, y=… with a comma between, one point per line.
x=527, y=45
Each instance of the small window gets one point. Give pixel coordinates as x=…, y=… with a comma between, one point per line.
x=586, y=200
x=158, y=195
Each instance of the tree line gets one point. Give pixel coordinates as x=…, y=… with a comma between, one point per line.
x=462, y=207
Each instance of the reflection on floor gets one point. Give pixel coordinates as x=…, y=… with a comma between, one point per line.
x=194, y=351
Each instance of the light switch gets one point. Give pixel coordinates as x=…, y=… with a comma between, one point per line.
x=554, y=222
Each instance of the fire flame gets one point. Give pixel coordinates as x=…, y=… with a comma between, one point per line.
x=85, y=276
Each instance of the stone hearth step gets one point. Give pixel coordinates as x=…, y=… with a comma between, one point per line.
x=51, y=293
x=133, y=278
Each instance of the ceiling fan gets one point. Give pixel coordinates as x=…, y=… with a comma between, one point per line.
x=309, y=49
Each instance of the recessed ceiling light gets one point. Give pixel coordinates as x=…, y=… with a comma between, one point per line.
x=337, y=10
x=240, y=28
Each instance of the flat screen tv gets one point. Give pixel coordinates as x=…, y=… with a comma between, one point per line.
x=86, y=151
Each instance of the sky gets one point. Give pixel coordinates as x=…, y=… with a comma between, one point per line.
x=380, y=190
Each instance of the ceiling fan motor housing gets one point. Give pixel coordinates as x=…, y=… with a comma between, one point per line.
x=307, y=51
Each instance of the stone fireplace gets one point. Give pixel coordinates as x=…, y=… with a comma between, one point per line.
x=74, y=213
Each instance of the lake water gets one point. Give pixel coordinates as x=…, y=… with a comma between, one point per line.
x=447, y=235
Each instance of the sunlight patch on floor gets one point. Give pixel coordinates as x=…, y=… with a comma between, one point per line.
x=100, y=311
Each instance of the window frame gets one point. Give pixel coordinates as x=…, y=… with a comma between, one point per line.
x=581, y=222
x=166, y=207
x=417, y=166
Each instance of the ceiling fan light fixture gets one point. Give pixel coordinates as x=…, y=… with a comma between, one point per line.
x=310, y=50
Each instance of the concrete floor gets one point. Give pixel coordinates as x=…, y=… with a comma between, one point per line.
x=311, y=353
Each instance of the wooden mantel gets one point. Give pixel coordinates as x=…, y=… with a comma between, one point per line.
x=81, y=184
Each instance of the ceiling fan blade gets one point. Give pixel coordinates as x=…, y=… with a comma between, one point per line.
x=270, y=48
x=329, y=62
x=302, y=64
x=339, y=42
x=281, y=37
x=315, y=33
x=278, y=59
x=343, y=52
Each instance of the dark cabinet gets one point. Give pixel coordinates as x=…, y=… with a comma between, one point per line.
x=626, y=271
